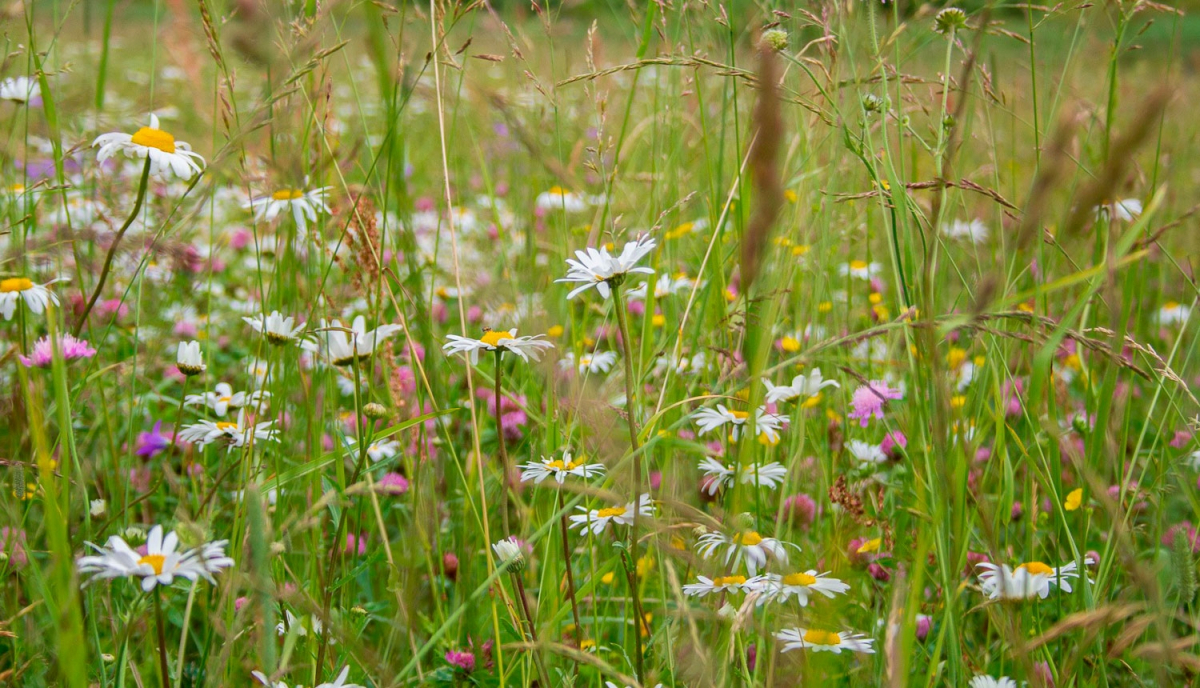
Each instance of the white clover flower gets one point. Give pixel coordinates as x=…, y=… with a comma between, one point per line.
x=165, y=153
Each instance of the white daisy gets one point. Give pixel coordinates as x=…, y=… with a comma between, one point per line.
x=599, y=269
x=1124, y=210
x=189, y=361
x=598, y=520
x=974, y=230
x=20, y=89
x=768, y=475
x=278, y=329
x=224, y=398
x=524, y=348
x=165, y=153
x=161, y=563
x=595, y=362
x=860, y=269
x=747, y=546
x=1028, y=580
x=709, y=586
x=767, y=424
x=982, y=681
x=345, y=347
x=36, y=296
x=803, y=386
x=1171, y=313
x=234, y=433
x=291, y=621
x=824, y=641
x=664, y=286
x=340, y=681
x=558, y=198
x=377, y=451
x=775, y=587
x=304, y=206
x=560, y=469
x=865, y=452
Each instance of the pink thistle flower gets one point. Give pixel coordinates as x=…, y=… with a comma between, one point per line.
x=69, y=348
x=892, y=443
x=868, y=400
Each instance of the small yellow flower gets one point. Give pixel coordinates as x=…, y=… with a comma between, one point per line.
x=956, y=357
x=811, y=402
x=730, y=296
x=824, y=306
x=1074, y=499
x=875, y=297
x=870, y=546
x=790, y=196
x=607, y=578
x=958, y=401
x=882, y=312
x=658, y=320
x=800, y=250
x=789, y=344
x=555, y=331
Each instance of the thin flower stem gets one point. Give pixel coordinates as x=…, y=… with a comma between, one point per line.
x=503, y=449
x=112, y=249
x=537, y=655
x=164, y=664
x=566, y=545
x=623, y=326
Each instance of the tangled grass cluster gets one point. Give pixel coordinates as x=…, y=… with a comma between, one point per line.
x=677, y=344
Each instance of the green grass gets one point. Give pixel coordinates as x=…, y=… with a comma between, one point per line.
x=1048, y=408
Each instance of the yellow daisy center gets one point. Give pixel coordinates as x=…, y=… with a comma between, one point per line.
x=611, y=512
x=154, y=561
x=1037, y=568
x=747, y=539
x=226, y=425
x=799, y=579
x=557, y=465
x=728, y=580
x=815, y=636
x=740, y=415
x=155, y=138
x=1171, y=305
x=7, y=286
x=789, y=344
x=858, y=264
x=287, y=194
x=493, y=338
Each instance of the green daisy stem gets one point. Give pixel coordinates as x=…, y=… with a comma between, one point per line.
x=623, y=326
x=164, y=664
x=503, y=448
x=566, y=546
x=537, y=654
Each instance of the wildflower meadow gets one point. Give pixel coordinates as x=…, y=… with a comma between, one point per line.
x=599, y=343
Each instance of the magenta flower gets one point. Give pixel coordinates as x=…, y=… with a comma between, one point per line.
x=69, y=347
x=800, y=509
x=356, y=543
x=463, y=661
x=12, y=544
x=150, y=444
x=869, y=399
x=392, y=484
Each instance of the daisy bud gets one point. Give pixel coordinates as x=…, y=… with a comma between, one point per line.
x=189, y=360
x=949, y=20
x=133, y=535
x=872, y=103
x=97, y=507
x=375, y=411
x=775, y=39
x=508, y=551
